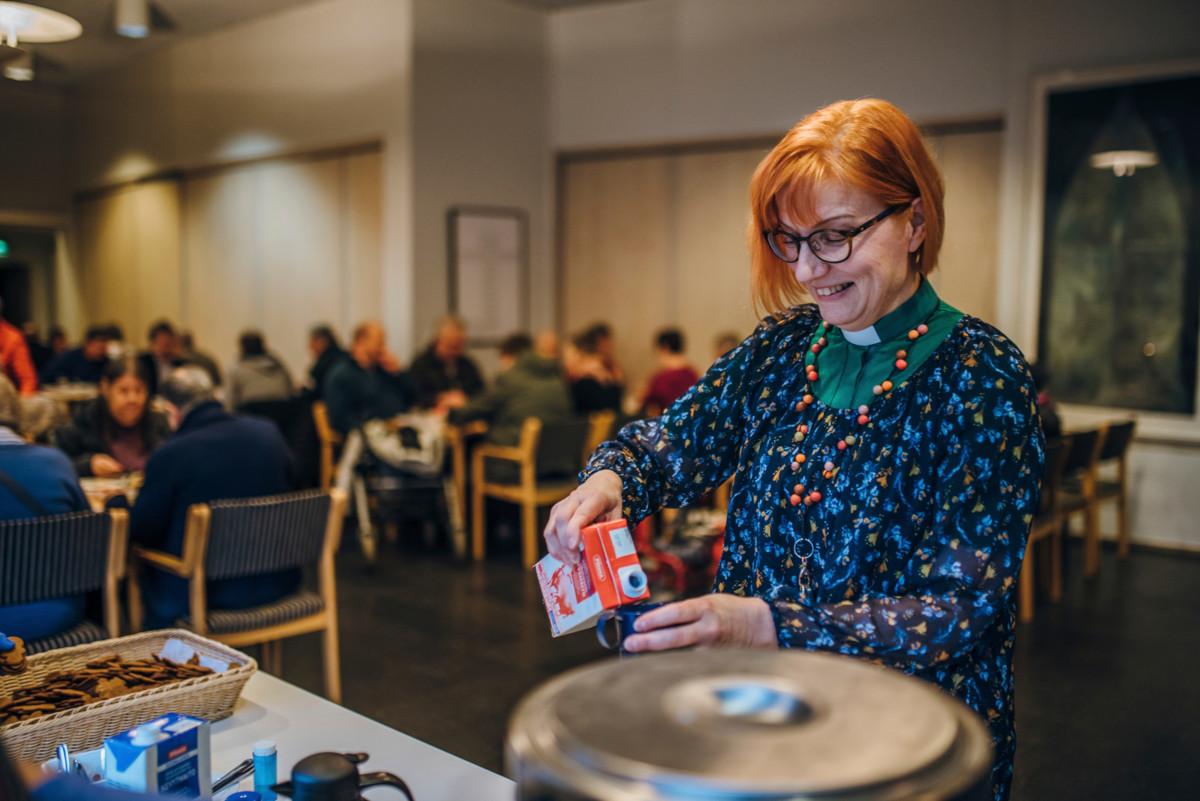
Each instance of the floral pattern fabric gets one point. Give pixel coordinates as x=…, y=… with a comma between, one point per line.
x=921, y=531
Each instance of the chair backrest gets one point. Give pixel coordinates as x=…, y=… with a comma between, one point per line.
x=1057, y=451
x=1082, y=453
x=1117, y=440
x=321, y=419
x=328, y=439
x=600, y=428
x=253, y=536
x=55, y=556
x=560, y=447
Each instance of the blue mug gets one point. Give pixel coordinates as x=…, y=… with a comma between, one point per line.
x=624, y=617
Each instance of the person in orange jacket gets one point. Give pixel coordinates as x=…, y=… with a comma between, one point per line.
x=14, y=358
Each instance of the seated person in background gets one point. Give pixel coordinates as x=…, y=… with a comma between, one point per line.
x=190, y=354
x=56, y=338
x=15, y=362
x=211, y=455
x=116, y=340
x=545, y=344
x=674, y=376
x=529, y=385
x=39, y=351
x=326, y=353
x=35, y=481
x=83, y=364
x=115, y=432
x=442, y=375
x=725, y=342
x=258, y=375
x=601, y=334
x=369, y=385
x=40, y=417
x=593, y=387
x=165, y=354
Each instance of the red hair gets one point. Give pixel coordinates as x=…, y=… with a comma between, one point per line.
x=869, y=144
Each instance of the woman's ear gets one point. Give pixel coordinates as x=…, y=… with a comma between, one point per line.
x=916, y=226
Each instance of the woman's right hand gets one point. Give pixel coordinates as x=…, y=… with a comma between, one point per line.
x=596, y=500
x=104, y=466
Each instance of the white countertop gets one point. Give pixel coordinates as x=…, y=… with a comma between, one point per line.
x=301, y=723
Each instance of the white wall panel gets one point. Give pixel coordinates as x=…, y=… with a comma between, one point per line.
x=618, y=257
x=221, y=275
x=276, y=246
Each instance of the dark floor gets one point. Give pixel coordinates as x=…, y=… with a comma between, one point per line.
x=1108, y=702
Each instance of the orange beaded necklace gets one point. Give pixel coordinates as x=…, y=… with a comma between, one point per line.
x=801, y=495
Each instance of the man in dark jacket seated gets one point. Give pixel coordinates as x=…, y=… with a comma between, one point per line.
x=369, y=385
x=212, y=455
x=443, y=376
x=84, y=364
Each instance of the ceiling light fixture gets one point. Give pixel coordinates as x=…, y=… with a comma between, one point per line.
x=132, y=18
x=20, y=68
x=22, y=22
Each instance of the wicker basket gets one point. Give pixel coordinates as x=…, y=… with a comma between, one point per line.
x=211, y=697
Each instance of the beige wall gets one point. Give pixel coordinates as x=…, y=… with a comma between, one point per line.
x=33, y=148
x=480, y=136
x=275, y=246
x=330, y=73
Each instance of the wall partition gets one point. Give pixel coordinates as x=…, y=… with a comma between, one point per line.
x=657, y=236
x=276, y=245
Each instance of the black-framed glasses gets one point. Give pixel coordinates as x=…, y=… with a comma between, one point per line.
x=830, y=245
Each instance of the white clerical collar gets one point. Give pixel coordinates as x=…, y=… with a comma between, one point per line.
x=863, y=338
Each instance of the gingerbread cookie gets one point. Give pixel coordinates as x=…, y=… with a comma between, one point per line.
x=12, y=655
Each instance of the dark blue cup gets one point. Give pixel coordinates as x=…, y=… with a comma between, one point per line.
x=623, y=619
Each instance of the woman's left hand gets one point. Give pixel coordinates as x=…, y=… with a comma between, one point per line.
x=718, y=619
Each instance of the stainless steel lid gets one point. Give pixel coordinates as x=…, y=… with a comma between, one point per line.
x=746, y=724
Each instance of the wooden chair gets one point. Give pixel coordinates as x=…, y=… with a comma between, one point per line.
x=1078, y=493
x=1115, y=451
x=600, y=428
x=538, y=445
x=458, y=438
x=1047, y=525
x=330, y=441
x=236, y=538
x=64, y=555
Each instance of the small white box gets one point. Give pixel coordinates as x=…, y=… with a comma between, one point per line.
x=169, y=755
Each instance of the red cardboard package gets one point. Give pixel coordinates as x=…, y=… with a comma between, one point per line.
x=609, y=575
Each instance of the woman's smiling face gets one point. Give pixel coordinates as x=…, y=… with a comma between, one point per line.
x=877, y=278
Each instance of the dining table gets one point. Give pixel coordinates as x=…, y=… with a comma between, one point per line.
x=300, y=723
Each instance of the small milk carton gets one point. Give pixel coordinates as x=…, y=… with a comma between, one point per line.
x=169, y=756
x=609, y=575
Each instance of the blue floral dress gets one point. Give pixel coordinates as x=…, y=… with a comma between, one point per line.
x=919, y=537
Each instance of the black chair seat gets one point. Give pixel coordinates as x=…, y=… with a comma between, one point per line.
x=85, y=632
x=293, y=607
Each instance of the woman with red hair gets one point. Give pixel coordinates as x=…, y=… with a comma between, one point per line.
x=885, y=447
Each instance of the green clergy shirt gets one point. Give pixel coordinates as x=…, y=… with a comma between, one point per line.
x=848, y=372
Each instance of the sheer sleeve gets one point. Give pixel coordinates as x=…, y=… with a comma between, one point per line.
x=964, y=568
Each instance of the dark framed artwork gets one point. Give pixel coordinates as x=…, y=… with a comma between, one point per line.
x=1120, y=296
x=489, y=271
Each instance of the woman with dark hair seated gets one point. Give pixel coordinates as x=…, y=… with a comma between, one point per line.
x=594, y=387
x=116, y=432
